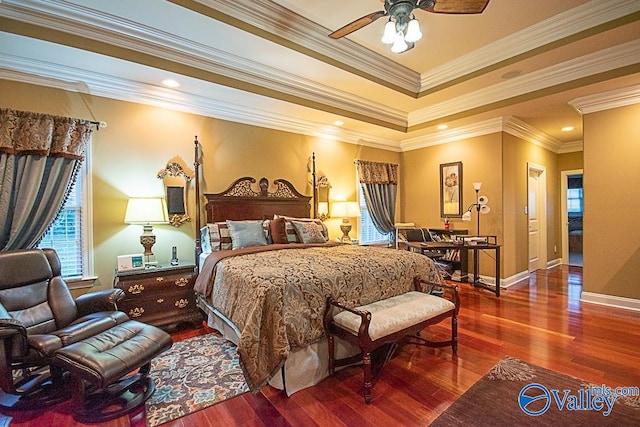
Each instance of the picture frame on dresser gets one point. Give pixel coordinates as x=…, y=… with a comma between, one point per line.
x=451, y=189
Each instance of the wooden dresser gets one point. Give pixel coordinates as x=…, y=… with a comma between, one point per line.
x=161, y=296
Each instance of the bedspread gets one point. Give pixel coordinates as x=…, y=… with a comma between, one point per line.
x=277, y=298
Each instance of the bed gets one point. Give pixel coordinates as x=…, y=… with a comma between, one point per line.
x=269, y=299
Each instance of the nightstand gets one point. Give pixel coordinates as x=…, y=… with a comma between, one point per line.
x=161, y=296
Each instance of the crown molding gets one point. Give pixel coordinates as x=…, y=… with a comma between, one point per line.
x=563, y=25
x=571, y=147
x=507, y=124
x=80, y=20
x=522, y=130
x=452, y=135
x=607, y=100
x=595, y=63
x=269, y=16
x=96, y=84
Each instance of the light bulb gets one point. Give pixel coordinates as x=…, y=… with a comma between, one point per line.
x=466, y=216
x=389, y=34
x=399, y=45
x=413, y=31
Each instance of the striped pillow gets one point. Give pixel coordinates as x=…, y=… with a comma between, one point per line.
x=292, y=237
x=219, y=236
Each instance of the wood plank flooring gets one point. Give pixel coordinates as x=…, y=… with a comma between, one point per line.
x=540, y=321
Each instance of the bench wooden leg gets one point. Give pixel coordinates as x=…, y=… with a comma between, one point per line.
x=330, y=344
x=454, y=334
x=366, y=364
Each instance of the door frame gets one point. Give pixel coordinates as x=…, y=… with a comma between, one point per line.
x=542, y=209
x=564, y=214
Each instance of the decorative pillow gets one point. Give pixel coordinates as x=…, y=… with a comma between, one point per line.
x=278, y=230
x=205, y=240
x=291, y=233
x=246, y=233
x=308, y=232
x=219, y=236
x=266, y=227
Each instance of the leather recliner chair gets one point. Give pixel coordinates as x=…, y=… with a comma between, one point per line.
x=39, y=316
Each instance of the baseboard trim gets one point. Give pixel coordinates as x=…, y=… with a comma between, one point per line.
x=554, y=263
x=610, y=301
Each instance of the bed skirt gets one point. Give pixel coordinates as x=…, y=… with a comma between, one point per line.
x=304, y=367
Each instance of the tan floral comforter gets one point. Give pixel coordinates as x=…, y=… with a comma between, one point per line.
x=277, y=298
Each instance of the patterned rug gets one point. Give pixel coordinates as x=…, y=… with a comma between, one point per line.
x=515, y=393
x=192, y=375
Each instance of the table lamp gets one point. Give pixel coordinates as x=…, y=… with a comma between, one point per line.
x=147, y=211
x=345, y=210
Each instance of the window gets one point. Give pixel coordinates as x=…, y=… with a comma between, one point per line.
x=574, y=200
x=368, y=233
x=70, y=234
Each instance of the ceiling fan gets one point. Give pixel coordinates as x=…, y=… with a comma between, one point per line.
x=400, y=13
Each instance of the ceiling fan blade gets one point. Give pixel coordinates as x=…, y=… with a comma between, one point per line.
x=454, y=6
x=357, y=24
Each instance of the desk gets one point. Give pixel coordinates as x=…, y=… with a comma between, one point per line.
x=423, y=247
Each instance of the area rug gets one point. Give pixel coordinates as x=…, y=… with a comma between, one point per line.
x=192, y=375
x=515, y=393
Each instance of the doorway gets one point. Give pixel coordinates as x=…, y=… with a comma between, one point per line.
x=537, y=216
x=572, y=214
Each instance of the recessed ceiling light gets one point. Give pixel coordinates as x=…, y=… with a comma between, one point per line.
x=338, y=123
x=511, y=74
x=567, y=128
x=170, y=83
x=443, y=127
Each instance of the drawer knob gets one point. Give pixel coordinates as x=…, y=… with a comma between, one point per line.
x=136, y=312
x=183, y=281
x=182, y=303
x=159, y=279
x=136, y=289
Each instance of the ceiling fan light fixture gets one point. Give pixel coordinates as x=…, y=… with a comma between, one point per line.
x=413, y=31
x=399, y=44
x=389, y=34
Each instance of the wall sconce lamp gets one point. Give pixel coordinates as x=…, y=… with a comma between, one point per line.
x=480, y=205
x=147, y=211
x=346, y=210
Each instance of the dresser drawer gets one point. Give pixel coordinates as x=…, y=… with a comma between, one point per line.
x=159, y=304
x=161, y=297
x=161, y=283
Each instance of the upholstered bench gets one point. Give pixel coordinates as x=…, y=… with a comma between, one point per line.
x=388, y=322
x=102, y=368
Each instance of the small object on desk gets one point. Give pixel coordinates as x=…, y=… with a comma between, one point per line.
x=174, y=256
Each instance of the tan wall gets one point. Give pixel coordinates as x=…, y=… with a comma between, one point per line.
x=481, y=159
x=612, y=202
x=518, y=154
x=140, y=140
x=570, y=161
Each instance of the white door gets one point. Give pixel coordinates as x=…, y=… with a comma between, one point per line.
x=536, y=209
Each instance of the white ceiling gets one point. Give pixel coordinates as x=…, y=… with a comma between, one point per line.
x=270, y=63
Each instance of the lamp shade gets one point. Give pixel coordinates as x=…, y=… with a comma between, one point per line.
x=146, y=211
x=345, y=209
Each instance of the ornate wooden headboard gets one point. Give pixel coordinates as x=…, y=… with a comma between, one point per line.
x=241, y=201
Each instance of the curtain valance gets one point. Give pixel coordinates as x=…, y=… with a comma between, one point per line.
x=23, y=132
x=377, y=173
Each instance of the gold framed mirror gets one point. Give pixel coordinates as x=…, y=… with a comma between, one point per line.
x=176, y=184
x=322, y=190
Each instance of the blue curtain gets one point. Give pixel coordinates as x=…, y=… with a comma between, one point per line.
x=40, y=156
x=379, y=182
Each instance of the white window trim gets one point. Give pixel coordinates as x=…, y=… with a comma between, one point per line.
x=88, y=277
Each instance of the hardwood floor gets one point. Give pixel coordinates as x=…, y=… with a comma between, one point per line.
x=540, y=321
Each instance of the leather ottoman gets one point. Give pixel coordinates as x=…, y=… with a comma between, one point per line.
x=102, y=368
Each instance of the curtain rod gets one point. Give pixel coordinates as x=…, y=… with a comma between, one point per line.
x=99, y=125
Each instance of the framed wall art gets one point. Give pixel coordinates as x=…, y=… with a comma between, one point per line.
x=451, y=189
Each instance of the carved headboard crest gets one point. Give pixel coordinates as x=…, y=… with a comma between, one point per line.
x=243, y=188
x=240, y=201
